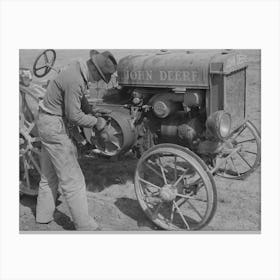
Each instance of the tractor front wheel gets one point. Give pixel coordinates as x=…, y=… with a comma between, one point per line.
x=175, y=188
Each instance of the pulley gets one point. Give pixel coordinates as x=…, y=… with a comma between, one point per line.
x=116, y=138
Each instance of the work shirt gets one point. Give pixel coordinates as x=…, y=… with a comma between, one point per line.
x=65, y=95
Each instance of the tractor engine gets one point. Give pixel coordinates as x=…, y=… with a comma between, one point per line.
x=181, y=116
x=148, y=118
x=170, y=117
x=179, y=97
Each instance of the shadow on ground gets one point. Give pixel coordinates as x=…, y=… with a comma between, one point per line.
x=101, y=173
x=131, y=208
x=60, y=218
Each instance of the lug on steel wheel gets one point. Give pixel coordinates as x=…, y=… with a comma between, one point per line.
x=175, y=188
x=242, y=153
x=29, y=160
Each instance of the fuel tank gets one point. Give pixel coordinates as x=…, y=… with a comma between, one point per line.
x=171, y=69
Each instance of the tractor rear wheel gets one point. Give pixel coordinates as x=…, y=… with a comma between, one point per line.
x=29, y=160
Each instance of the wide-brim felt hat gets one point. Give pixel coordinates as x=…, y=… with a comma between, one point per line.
x=105, y=64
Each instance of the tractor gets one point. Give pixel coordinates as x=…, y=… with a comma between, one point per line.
x=183, y=115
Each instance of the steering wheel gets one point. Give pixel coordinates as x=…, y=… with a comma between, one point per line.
x=44, y=63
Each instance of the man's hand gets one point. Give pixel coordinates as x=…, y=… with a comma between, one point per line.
x=101, y=123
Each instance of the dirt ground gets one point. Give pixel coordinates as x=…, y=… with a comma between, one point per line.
x=110, y=186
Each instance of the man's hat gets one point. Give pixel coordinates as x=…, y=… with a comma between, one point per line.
x=105, y=64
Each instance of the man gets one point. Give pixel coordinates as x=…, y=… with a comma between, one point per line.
x=65, y=103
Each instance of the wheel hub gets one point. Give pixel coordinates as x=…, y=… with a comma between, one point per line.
x=228, y=146
x=105, y=136
x=168, y=193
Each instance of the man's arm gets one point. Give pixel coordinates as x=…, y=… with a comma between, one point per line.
x=85, y=106
x=73, y=111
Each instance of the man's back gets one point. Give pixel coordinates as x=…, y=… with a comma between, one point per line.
x=65, y=95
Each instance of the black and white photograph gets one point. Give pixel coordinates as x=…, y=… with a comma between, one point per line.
x=140, y=140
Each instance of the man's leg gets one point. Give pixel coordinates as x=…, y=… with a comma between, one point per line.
x=47, y=190
x=63, y=155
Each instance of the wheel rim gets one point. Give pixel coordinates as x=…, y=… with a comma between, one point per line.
x=174, y=188
x=243, y=153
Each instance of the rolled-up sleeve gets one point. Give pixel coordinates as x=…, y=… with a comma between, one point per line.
x=73, y=111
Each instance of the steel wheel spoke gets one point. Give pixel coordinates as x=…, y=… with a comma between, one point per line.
x=184, y=200
x=180, y=178
x=236, y=129
x=28, y=130
x=172, y=213
x=191, y=197
x=217, y=167
x=244, y=160
x=35, y=163
x=26, y=173
x=234, y=167
x=249, y=152
x=149, y=183
x=194, y=209
x=153, y=169
x=175, y=168
x=151, y=193
x=162, y=171
x=36, y=151
x=35, y=139
x=181, y=215
x=243, y=128
x=225, y=167
x=248, y=140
